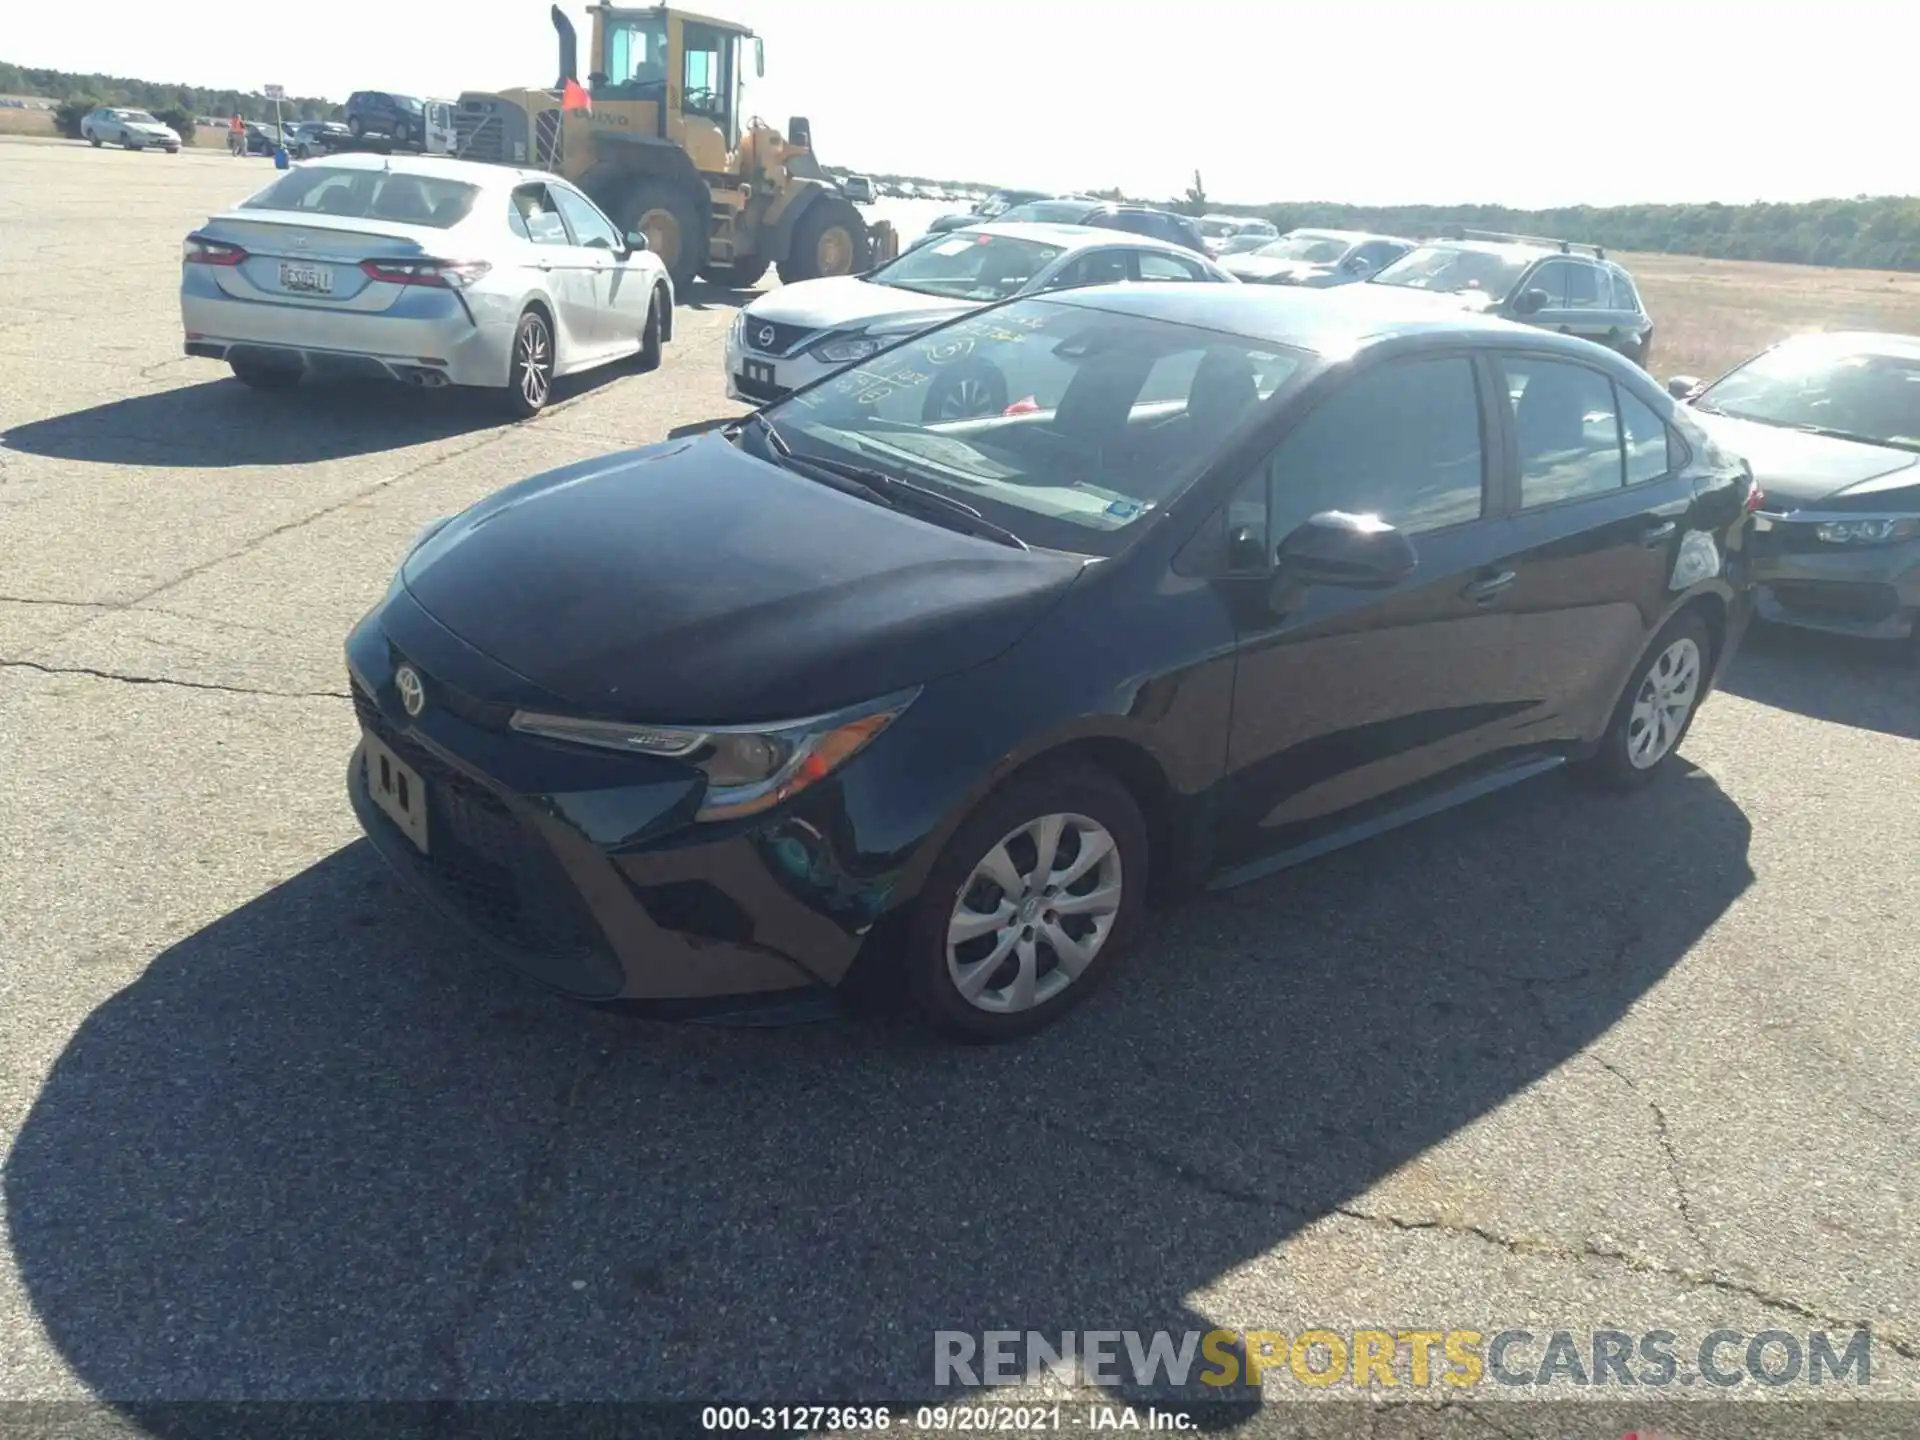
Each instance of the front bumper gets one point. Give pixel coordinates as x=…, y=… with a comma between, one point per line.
x=579, y=868
x=1870, y=591
x=427, y=338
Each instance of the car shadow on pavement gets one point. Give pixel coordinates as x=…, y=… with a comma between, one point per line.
x=316, y=1150
x=221, y=423
x=1866, y=684
x=702, y=296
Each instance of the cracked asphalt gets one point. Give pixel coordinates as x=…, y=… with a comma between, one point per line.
x=1549, y=1062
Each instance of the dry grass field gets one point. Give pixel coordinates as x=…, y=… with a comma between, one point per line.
x=1710, y=314
x=26, y=122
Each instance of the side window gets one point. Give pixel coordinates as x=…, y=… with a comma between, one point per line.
x=1401, y=442
x=1158, y=265
x=1587, y=287
x=1566, y=427
x=1097, y=267
x=1625, y=297
x=1645, y=436
x=1234, y=540
x=589, y=226
x=539, y=221
x=1552, y=278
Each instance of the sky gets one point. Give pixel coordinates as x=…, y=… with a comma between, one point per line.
x=1455, y=101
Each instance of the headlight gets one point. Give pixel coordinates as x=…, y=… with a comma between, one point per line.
x=748, y=768
x=738, y=328
x=842, y=352
x=1867, y=532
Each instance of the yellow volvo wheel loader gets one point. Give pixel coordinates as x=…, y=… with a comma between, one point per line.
x=657, y=138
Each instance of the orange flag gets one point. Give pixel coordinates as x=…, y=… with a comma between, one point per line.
x=574, y=98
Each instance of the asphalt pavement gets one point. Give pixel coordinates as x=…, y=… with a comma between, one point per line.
x=1548, y=1062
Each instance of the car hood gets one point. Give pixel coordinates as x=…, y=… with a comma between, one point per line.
x=1794, y=467
x=842, y=301
x=689, y=583
x=146, y=129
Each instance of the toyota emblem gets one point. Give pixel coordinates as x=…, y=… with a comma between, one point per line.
x=765, y=338
x=413, y=691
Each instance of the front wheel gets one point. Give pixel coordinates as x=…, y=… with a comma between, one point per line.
x=1028, y=906
x=829, y=239
x=355, y=127
x=650, y=334
x=530, y=369
x=1657, y=708
x=94, y=140
x=675, y=230
x=741, y=275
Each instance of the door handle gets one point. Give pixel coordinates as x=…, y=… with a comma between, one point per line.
x=543, y=264
x=1656, y=533
x=1492, y=585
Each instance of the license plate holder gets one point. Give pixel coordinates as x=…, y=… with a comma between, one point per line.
x=757, y=372
x=396, y=787
x=306, y=279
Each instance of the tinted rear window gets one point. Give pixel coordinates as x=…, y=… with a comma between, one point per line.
x=369, y=195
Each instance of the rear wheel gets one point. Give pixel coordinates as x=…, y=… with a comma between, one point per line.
x=1029, y=904
x=741, y=275
x=354, y=125
x=258, y=376
x=530, y=368
x=668, y=217
x=1658, y=706
x=829, y=239
x=401, y=133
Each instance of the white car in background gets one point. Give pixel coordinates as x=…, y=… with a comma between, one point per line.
x=794, y=335
x=133, y=129
x=422, y=269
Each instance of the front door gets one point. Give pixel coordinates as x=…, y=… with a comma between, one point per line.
x=1344, y=698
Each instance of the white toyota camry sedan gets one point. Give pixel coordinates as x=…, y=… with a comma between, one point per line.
x=798, y=333
x=421, y=269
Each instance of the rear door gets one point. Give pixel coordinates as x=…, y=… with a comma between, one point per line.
x=1599, y=505
x=1345, y=699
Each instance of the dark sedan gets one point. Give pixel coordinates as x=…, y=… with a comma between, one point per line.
x=1831, y=426
x=1236, y=578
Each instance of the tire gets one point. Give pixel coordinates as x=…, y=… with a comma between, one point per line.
x=529, y=367
x=94, y=140
x=742, y=275
x=401, y=134
x=650, y=336
x=354, y=126
x=673, y=224
x=967, y=391
x=1031, y=987
x=256, y=376
x=1625, y=759
x=830, y=238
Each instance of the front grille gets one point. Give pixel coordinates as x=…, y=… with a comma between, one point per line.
x=762, y=390
x=494, y=870
x=547, y=134
x=773, y=339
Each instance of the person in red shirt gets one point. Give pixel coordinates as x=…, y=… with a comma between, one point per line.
x=237, y=134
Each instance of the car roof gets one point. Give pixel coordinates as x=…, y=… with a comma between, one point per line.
x=1324, y=321
x=1510, y=249
x=440, y=167
x=1352, y=237
x=1072, y=237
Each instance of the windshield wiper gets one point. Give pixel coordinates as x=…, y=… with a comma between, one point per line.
x=1832, y=434
x=892, y=491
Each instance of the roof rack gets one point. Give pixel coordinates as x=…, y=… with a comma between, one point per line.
x=1565, y=247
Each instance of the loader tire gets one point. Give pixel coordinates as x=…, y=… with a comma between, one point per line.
x=830, y=238
x=742, y=275
x=672, y=223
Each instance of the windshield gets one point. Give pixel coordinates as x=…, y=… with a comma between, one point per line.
x=138, y=117
x=1312, y=249
x=1063, y=423
x=1446, y=268
x=1052, y=212
x=1214, y=229
x=970, y=266
x=368, y=195
x=1826, y=385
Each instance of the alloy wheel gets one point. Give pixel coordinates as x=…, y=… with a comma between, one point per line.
x=834, y=253
x=1034, y=913
x=533, y=362
x=662, y=229
x=1666, y=698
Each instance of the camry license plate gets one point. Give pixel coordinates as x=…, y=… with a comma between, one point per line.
x=397, y=789
x=306, y=279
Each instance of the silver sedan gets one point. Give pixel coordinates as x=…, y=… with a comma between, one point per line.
x=427, y=270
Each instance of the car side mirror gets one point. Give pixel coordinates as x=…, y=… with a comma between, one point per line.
x=1359, y=552
x=1531, y=302
x=636, y=240
x=1681, y=386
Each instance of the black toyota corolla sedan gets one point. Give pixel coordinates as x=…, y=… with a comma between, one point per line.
x=1236, y=578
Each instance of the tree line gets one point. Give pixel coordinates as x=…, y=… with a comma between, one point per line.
x=1874, y=232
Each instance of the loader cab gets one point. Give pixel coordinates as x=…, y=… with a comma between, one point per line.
x=690, y=69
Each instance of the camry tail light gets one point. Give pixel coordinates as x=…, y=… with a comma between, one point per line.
x=198, y=250
x=441, y=274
